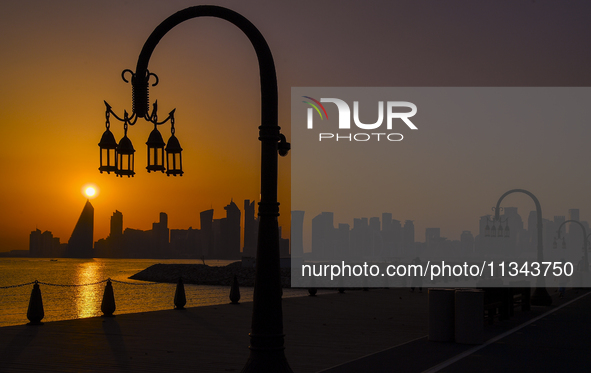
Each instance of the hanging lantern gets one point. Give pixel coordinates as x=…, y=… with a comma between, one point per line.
x=563, y=244
x=174, y=158
x=555, y=244
x=155, y=151
x=493, y=231
x=507, y=233
x=125, y=156
x=108, y=146
x=487, y=230
x=119, y=158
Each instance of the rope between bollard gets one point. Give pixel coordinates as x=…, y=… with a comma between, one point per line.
x=77, y=285
x=16, y=286
x=135, y=283
x=72, y=285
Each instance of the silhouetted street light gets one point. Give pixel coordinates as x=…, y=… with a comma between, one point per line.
x=123, y=155
x=266, y=338
x=585, y=264
x=494, y=232
x=540, y=297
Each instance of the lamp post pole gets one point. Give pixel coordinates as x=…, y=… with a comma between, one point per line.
x=585, y=265
x=266, y=337
x=540, y=297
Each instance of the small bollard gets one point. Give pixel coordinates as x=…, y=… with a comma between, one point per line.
x=235, y=291
x=312, y=292
x=108, y=303
x=35, y=312
x=179, y=295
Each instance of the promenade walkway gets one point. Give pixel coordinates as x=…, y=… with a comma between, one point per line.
x=350, y=332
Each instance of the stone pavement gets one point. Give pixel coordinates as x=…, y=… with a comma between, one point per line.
x=545, y=339
x=349, y=332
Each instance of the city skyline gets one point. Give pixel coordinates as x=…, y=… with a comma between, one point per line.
x=401, y=238
x=231, y=237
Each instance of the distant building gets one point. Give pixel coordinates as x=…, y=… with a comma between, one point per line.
x=227, y=233
x=81, y=242
x=342, y=241
x=375, y=235
x=297, y=234
x=432, y=236
x=161, y=238
x=112, y=246
x=396, y=237
x=283, y=247
x=359, y=239
x=185, y=243
x=207, y=235
x=466, y=243
x=387, y=234
x=135, y=242
x=322, y=235
x=408, y=237
x=231, y=231
x=251, y=226
x=116, y=224
x=44, y=245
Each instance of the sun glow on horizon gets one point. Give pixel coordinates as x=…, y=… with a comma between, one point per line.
x=90, y=190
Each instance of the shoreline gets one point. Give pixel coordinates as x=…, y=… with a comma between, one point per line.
x=201, y=274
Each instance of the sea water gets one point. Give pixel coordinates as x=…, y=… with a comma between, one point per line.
x=70, y=300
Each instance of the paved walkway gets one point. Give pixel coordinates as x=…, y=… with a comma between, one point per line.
x=546, y=339
x=332, y=332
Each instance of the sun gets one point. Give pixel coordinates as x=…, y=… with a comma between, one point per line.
x=90, y=190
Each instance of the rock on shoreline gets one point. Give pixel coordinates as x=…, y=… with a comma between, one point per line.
x=201, y=274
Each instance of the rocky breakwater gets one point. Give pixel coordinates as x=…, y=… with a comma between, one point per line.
x=201, y=274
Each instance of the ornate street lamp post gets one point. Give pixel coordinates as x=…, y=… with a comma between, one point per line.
x=266, y=337
x=540, y=296
x=585, y=264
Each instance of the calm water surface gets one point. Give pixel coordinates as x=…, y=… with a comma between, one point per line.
x=73, y=302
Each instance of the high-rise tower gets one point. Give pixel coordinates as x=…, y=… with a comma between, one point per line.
x=81, y=241
x=250, y=230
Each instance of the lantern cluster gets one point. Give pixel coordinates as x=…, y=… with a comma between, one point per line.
x=497, y=232
x=555, y=244
x=119, y=157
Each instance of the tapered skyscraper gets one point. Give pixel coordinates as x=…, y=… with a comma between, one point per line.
x=81, y=241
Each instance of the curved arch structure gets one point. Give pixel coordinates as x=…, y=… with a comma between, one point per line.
x=585, y=267
x=540, y=296
x=266, y=338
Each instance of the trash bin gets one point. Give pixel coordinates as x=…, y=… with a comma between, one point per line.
x=441, y=314
x=469, y=316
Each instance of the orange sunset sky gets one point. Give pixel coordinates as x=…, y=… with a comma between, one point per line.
x=61, y=59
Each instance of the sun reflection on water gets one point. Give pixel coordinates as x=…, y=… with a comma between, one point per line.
x=88, y=298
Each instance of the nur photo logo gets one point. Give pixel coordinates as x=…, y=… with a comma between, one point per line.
x=392, y=111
